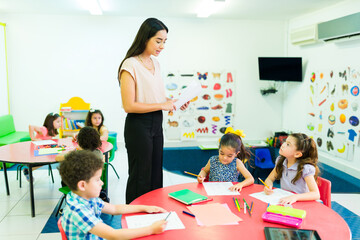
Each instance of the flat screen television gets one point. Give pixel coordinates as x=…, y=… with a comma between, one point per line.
x=280, y=69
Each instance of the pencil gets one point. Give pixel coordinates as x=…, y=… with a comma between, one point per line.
x=237, y=204
x=251, y=207
x=247, y=206
x=263, y=182
x=167, y=216
x=189, y=213
x=191, y=173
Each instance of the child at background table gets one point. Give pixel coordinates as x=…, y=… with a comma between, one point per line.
x=297, y=169
x=48, y=131
x=226, y=166
x=88, y=139
x=81, y=171
x=95, y=119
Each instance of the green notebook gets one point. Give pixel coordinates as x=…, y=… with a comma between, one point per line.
x=187, y=196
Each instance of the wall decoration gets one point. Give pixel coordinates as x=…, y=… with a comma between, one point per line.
x=211, y=111
x=334, y=96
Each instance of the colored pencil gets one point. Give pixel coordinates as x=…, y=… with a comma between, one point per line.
x=247, y=206
x=237, y=204
x=189, y=214
x=167, y=216
x=251, y=207
x=263, y=183
x=244, y=208
x=191, y=173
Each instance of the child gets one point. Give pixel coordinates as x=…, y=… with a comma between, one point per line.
x=297, y=169
x=88, y=139
x=49, y=129
x=226, y=166
x=81, y=171
x=95, y=119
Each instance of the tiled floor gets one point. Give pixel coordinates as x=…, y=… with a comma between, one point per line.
x=15, y=220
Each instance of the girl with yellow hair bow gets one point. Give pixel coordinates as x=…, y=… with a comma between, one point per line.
x=227, y=166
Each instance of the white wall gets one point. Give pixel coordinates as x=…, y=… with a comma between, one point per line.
x=53, y=58
x=321, y=56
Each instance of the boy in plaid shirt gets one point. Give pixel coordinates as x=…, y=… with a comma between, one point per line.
x=81, y=171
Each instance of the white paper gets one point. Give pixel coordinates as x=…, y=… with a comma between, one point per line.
x=274, y=198
x=193, y=90
x=227, y=207
x=138, y=221
x=44, y=142
x=219, y=188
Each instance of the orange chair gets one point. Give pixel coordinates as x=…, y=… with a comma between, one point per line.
x=325, y=191
x=63, y=235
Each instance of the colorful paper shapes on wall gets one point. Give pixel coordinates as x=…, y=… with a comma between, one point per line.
x=354, y=121
x=320, y=115
x=186, y=123
x=229, y=93
x=229, y=78
x=333, y=91
x=312, y=89
x=354, y=91
x=189, y=135
x=311, y=101
x=310, y=126
x=171, y=86
x=216, y=75
x=343, y=103
x=352, y=134
x=227, y=120
x=330, y=133
x=217, y=107
x=331, y=119
x=341, y=150
x=332, y=107
x=206, y=97
x=342, y=118
x=319, y=141
x=214, y=128
x=173, y=123
x=203, y=108
x=194, y=99
x=329, y=146
x=321, y=75
x=202, y=130
x=202, y=76
x=204, y=86
x=312, y=114
x=344, y=88
x=322, y=90
x=228, y=108
x=215, y=119
x=313, y=76
x=331, y=74
x=217, y=86
x=201, y=119
x=218, y=97
x=322, y=102
x=320, y=127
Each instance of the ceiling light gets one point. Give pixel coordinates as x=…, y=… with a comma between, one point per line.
x=208, y=7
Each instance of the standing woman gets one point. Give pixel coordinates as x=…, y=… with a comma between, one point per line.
x=143, y=98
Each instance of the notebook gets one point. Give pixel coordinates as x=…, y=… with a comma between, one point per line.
x=187, y=196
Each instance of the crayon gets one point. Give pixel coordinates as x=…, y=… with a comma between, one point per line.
x=189, y=214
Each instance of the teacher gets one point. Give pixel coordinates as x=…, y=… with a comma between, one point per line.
x=143, y=98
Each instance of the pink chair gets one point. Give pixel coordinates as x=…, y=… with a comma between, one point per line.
x=63, y=235
x=325, y=191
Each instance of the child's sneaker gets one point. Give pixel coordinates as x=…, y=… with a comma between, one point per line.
x=26, y=174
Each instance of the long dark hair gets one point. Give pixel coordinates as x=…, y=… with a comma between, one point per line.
x=88, y=119
x=49, y=124
x=308, y=148
x=234, y=141
x=147, y=30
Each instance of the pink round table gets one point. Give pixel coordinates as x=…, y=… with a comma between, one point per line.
x=23, y=153
x=327, y=222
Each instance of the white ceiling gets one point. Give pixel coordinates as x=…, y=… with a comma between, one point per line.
x=234, y=9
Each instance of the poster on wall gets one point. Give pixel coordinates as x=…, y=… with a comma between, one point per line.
x=209, y=113
x=333, y=110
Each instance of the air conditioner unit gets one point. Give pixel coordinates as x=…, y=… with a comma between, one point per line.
x=341, y=28
x=304, y=35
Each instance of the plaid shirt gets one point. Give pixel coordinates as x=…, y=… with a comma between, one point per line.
x=80, y=216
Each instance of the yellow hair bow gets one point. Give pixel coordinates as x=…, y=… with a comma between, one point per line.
x=237, y=132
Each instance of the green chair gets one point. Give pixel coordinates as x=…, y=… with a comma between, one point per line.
x=112, y=140
x=65, y=190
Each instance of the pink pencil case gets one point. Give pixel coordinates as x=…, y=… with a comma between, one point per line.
x=281, y=219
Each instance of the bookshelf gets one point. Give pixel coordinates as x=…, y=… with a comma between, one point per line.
x=73, y=113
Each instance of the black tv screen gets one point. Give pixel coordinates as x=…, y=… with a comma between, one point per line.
x=280, y=68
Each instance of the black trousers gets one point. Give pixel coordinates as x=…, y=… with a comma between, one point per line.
x=144, y=142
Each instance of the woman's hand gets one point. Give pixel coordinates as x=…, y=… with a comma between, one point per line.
x=168, y=106
x=183, y=107
x=236, y=187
